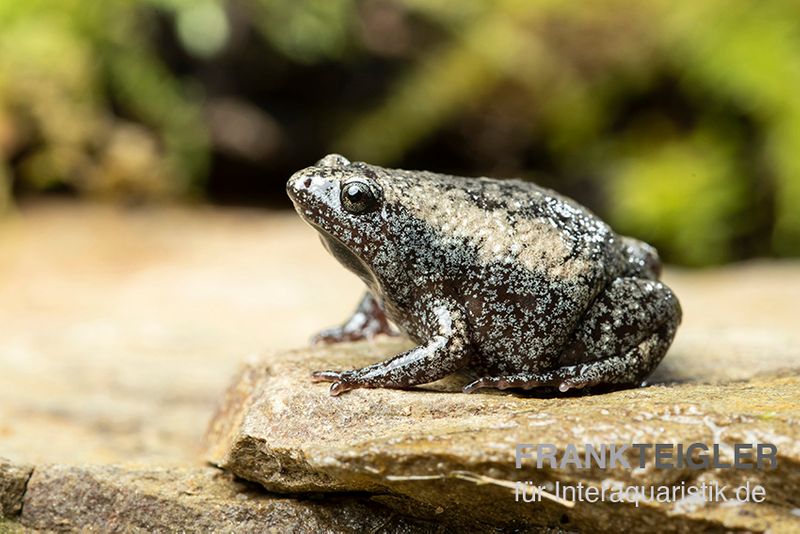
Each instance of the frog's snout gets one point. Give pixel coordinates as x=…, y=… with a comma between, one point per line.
x=306, y=187
x=296, y=185
x=299, y=187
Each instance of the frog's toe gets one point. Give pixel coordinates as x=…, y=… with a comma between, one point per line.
x=488, y=382
x=476, y=385
x=331, y=336
x=568, y=384
x=341, y=381
x=338, y=387
x=317, y=339
x=506, y=382
x=326, y=376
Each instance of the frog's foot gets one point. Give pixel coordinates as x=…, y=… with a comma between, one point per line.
x=341, y=381
x=368, y=321
x=341, y=334
x=564, y=378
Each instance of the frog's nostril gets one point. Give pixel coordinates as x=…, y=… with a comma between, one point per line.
x=307, y=183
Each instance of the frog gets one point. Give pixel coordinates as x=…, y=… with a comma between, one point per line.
x=513, y=283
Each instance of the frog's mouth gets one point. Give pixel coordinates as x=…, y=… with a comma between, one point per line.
x=315, y=199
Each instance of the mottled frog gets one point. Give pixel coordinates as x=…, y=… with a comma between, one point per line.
x=517, y=283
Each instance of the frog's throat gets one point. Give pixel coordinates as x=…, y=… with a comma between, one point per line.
x=347, y=258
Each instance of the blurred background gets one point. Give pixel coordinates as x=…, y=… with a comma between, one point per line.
x=147, y=244
x=679, y=122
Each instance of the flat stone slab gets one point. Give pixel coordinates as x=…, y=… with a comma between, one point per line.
x=437, y=453
x=201, y=499
x=124, y=359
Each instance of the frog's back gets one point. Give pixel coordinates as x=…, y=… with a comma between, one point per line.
x=512, y=223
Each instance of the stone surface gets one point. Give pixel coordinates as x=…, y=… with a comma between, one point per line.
x=435, y=449
x=13, y=479
x=122, y=328
x=117, y=499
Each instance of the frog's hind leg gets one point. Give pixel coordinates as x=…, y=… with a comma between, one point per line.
x=622, y=370
x=621, y=340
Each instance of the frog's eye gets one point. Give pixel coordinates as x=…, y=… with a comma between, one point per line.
x=358, y=197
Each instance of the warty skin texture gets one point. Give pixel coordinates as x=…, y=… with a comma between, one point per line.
x=514, y=281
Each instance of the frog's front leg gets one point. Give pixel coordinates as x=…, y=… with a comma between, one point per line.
x=446, y=351
x=620, y=340
x=367, y=321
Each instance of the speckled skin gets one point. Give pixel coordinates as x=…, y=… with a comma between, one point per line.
x=504, y=277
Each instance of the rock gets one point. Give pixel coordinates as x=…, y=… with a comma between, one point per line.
x=124, y=361
x=437, y=453
x=119, y=499
x=11, y=527
x=13, y=479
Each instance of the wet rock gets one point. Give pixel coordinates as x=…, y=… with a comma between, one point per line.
x=118, y=499
x=437, y=453
x=13, y=479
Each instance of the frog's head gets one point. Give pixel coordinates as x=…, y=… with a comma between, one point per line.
x=343, y=201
